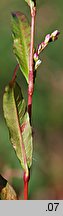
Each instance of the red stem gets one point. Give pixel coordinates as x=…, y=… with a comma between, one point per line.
x=26, y=180
x=15, y=72
x=30, y=88
x=25, y=190
x=31, y=75
x=14, y=75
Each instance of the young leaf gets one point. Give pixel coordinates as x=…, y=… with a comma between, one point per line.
x=31, y=3
x=21, y=41
x=6, y=191
x=17, y=120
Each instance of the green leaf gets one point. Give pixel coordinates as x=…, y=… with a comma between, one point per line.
x=21, y=41
x=6, y=191
x=17, y=120
x=31, y=3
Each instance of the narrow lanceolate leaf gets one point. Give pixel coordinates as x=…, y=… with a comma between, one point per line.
x=17, y=120
x=6, y=191
x=21, y=41
x=31, y=3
